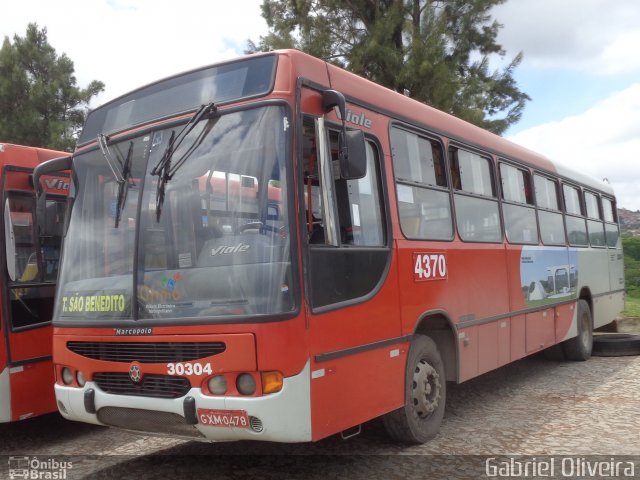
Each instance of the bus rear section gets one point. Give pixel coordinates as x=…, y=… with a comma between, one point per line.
x=31, y=258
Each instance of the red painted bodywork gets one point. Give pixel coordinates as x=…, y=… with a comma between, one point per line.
x=30, y=383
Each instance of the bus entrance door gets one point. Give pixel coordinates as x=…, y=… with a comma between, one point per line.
x=28, y=290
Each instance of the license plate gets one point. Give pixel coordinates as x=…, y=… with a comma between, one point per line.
x=223, y=418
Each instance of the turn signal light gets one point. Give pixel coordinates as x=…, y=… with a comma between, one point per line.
x=272, y=382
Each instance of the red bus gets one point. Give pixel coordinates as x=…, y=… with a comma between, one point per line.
x=351, y=252
x=28, y=282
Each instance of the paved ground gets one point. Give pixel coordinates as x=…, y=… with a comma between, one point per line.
x=532, y=407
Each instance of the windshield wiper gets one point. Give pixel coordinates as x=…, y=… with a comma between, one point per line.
x=114, y=164
x=123, y=186
x=164, y=168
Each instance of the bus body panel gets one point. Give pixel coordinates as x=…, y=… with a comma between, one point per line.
x=475, y=288
x=31, y=392
x=25, y=352
x=239, y=354
x=348, y=367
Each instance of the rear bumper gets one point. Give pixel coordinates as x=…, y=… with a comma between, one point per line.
x=284, y=416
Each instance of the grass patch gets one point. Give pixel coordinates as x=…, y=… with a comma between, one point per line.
x=632, y=306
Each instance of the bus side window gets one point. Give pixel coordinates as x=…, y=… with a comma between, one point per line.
x=576, y=223
x=424, y=204
x=312, y=197
x=358, y=202
x=551, y=222
x=611, y=223
x=519, y=214
x=477, y=210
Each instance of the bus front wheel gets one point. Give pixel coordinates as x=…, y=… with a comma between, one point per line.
x=425, y=394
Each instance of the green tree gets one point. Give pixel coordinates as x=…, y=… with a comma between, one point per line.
x=40, y=102
x=436, y=51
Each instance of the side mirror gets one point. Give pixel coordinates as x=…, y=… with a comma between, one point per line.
x=353, y=155
x=333, y=98
x=352, y=151
x=50, y=166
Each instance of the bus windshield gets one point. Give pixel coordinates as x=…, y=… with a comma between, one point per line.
x=220, y=245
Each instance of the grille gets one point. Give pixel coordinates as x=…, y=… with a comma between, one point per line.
x=256, y=424
x=158, y=386
x=147, y=352
x=147, y=421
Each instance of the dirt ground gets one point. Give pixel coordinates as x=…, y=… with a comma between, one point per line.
x=628, y=325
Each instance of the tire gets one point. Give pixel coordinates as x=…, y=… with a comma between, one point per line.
x=579, y=347
x=616, y=345
x=425, y=395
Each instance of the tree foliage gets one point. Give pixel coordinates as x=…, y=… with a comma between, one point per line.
x=436, y=51
x=40, y=102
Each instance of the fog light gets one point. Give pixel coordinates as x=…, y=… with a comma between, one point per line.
x=80, y=378
x=67, y=376
x=217, y=385
x=271, y=382
x=246, y=384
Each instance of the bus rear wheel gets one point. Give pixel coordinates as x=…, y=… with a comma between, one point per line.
x=579, y=347
x=425, y=395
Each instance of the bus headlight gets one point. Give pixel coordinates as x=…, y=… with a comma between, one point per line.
x=246, y=384
x=80, y=378
x=217, y=385
x=67, y=376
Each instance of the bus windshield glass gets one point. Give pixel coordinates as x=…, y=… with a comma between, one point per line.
x=219, y=247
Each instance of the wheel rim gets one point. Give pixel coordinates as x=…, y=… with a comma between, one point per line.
x=426, y=389
x=585, y=334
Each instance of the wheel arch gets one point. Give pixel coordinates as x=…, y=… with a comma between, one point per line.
x=437, y=325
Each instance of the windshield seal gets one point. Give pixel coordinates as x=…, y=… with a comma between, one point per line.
x=221, y=319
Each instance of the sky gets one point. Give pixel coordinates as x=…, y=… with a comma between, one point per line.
x=581, y=64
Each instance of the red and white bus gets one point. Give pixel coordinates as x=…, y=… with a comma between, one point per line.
x=273, y=248
x=30, y=269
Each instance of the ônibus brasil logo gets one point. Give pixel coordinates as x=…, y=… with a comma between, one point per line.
x=36, y=468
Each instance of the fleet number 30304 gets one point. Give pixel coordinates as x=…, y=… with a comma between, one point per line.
x=189, y=369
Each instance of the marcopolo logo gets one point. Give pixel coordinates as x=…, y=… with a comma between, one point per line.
x=38, y=468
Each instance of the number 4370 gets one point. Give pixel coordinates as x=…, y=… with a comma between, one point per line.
x=429, y=266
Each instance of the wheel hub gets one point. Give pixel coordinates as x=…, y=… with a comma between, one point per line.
x=426, y=389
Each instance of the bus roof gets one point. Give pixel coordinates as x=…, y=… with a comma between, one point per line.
x=24, y=156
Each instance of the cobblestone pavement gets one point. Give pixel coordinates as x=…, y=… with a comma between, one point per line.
x=531, y=407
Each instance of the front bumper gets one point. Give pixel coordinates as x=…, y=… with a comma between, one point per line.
x=280, y=417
